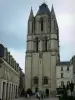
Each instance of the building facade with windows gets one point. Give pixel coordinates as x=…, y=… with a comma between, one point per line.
x=9, y=75
x=64, y=73
x=42, y=52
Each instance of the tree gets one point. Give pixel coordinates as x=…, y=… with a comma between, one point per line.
x=71, y=87
x=29, y=91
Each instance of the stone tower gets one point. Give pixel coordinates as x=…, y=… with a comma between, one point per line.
x=42, y=52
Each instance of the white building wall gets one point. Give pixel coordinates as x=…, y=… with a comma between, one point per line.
x=67, y=75
x=8, y=76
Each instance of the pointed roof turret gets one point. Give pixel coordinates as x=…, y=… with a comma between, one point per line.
x=52, y=9
x=31, y=16
x=53, y=12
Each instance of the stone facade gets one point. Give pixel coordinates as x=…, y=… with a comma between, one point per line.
x=9, y=75
x=65, y=72
x=42, y=50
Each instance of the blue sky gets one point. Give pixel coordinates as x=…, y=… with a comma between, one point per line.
x=13, y=25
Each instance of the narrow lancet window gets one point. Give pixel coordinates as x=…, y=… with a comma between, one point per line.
x=32, y=27
x=36, y=44
x=45, y=44
x=41, y=24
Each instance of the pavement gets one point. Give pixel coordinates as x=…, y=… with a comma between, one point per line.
x=36, y=99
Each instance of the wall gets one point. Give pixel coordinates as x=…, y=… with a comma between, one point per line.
x=67, y=75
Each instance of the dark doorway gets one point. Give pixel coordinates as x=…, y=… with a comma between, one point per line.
x=47, y=92
x=36, y=89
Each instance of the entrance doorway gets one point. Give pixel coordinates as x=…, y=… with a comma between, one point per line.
x=47, y=92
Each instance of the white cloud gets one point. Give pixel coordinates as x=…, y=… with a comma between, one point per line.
x=19, y=56
x=65, y=22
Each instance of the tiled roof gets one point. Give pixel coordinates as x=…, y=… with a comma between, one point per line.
x=63, y=63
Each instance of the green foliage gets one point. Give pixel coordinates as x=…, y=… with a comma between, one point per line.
x=29, y=91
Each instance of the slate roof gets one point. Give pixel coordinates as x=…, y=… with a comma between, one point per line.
x=63, y=63
x=43, y=9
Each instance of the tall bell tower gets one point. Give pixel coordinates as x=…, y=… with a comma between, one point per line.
x=42, y=52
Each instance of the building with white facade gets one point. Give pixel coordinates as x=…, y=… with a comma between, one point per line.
x=9, y=75
x=64, y=73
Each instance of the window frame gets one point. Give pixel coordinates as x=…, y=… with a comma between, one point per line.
x=45, y=80
x=62, y=75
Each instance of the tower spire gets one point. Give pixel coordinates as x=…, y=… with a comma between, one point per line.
x=31, y=14
x=53, y=12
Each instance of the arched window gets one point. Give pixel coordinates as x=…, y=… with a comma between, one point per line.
x=35, y=80
x=45, y=44
x=45, y=80
x=41, y=24
x=32, y=27
x=36, y=44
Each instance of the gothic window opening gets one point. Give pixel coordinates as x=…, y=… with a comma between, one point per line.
x=45, y=44
x=32, y=27
x=41, y=24
x=45, y=80
x=37, y=44
x=35, y=80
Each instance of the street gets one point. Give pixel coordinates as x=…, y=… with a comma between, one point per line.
x=36, y=99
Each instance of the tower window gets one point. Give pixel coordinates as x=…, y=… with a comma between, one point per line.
x=45, y=44
x=32, y=27
x=36, y=44
x=41, y=24
x=35, y=80
x=45, y=81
